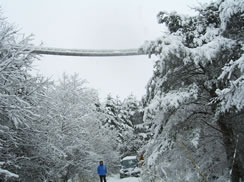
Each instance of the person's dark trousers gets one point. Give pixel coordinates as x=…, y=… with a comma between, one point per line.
x=103, y=179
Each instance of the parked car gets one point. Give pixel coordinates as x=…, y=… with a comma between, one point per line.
x=129, y=167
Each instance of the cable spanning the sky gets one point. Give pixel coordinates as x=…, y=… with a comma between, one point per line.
x=86, y=52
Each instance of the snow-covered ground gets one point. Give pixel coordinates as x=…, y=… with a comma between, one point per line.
x=116, y=178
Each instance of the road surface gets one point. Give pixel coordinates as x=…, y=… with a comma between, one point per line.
x=117, y=179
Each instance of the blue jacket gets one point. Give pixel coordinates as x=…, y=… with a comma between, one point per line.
x=102, y=170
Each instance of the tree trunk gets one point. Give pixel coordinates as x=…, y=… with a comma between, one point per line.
x=230, y=142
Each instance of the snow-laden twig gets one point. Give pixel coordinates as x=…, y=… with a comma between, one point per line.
x=8, y=173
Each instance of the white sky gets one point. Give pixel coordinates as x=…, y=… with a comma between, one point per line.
x=95, y=24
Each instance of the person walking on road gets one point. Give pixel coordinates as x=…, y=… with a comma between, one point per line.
x=102, y=171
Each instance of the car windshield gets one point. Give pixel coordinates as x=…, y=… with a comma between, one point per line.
x=131, y=163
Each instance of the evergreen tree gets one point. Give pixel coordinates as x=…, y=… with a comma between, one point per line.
x=199, y=71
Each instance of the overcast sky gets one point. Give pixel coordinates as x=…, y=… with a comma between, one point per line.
x=95, y=24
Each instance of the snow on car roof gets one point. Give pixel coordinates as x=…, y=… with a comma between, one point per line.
x=129, y=158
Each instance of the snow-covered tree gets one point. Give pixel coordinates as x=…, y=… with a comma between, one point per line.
x=48, y=132
x=123, y=118
x=200, y=71
x=20, y=95
x=76, y=132
x=116, y=120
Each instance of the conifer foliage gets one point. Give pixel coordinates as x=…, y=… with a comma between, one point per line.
x=123, y=118
x=197, y=91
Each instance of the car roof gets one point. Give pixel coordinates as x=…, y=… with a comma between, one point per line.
x=129, y=158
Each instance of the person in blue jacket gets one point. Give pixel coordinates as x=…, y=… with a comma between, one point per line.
x=102, y=171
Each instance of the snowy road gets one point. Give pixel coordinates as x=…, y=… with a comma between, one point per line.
x=117, y=179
